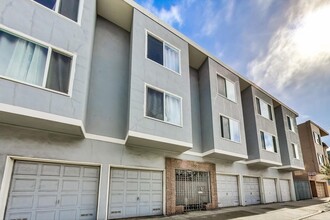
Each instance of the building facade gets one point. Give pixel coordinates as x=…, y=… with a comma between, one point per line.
x=315, y=157
x=106, y=112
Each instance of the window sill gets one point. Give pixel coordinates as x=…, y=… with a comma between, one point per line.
x=35, y=86
x=169, y=123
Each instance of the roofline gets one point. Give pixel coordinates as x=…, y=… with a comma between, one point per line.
x=323, y=132
x=191, y=43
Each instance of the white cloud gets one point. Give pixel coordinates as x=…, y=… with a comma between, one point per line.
x=171, y=16
x=298, y=49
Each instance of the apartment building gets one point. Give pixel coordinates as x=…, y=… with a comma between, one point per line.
x=107, y=112
x=310, y=182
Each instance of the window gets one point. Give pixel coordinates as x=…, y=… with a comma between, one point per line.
x=226, y=88
x=290, y=123
x=230, y=129
x=268, y=142
x=320, y=159
x=295, y=151
x=163, y=106
x=264, y=109
x=317, y=138
x=67, y=8
x=163, y=53
x=35, y=64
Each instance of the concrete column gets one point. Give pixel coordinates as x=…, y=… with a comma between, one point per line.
x=241, y=190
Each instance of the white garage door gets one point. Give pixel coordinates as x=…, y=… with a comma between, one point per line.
x=270, y=190
x=285, y=190
x=135, y=193
x=50, y=191
x=251, y=190
x=227, y=191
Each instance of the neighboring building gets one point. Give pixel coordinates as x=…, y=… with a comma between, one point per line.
x=310, y=183
x=106, y=112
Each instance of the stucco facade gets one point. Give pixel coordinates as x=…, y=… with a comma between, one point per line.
x=102, y=125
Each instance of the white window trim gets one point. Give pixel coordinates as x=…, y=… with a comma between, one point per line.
x=292, y=123
x=79, y=16
x=50, y=49
x=146, y=86
x=271, y=108
x=226, y=79
x=147, y=32
x=295, y=148
x=318, y=136
x=276, y=141
x=239, y=123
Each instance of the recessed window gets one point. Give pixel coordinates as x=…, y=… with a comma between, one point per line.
x=230, y=129
x=320, y=159
x=290, y=123
x=35, y=64
x=268, y=142
x=295, y=151
x=163, y=53
x=264, y=109
x=317, y=138
x=226, y=88
x=163, y=106
x=67, y=8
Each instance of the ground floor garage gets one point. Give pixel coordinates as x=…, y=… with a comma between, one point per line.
x=52, y=176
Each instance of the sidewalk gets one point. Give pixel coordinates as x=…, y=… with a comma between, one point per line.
x=306, y=209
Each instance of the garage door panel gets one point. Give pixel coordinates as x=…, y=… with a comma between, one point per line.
x=23, y=185
x=139, y=190
x=270, y=190
x=91, y=172
x=285, y=190
x=320, y=189
x=51, y=189
x=50, y=215
x=69, y=200
x=71, y=171
x=25, y=168
x=227, y=191
x=251, y=190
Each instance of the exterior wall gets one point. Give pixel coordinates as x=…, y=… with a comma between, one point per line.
x=171, y=166
x=108, y=91
x=145, y=71
x=195, y=111
x=286, y=137
x=35, y=20
x=223, y=106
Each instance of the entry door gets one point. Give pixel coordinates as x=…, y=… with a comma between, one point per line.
x=320, y=189
x=285, y=190
x=51, y=191
x=251, y=190
x=227, y=191
x=135, y=193
x=270, y=190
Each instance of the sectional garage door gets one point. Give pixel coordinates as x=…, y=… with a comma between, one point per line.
x=227, y=191
x=285, y=190
x=50, y=191
x=320, y=189
x=135, y=193
x=270, y=190
x=251, y=190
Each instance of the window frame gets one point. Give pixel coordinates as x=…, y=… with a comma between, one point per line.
x=317, y=139
x=147, y=32
x=50, y=48
x=295, y=151
x=80, y=10
x=146, y=86
x=239, y=124
x=226, y=79
x=291, y=121
x=269, y=107
x=263, y=143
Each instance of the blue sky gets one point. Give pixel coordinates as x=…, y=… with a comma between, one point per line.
x=281, y=45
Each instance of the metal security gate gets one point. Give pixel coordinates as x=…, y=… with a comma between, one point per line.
x=192, y=189
x=302, y=189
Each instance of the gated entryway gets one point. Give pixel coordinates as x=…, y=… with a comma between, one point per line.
x=192, y=189
x=302, y=189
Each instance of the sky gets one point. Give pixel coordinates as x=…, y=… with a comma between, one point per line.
x=281, y=45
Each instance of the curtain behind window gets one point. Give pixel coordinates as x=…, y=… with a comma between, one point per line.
x=172, y=110
x=69, y=8
x=155, y=104
x=171, y=59
x=22, y=60
x=59, y=72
